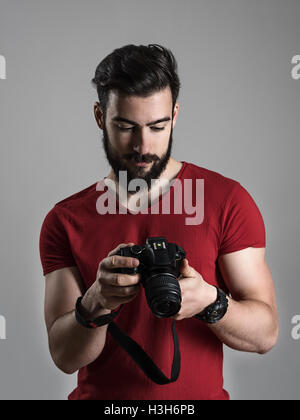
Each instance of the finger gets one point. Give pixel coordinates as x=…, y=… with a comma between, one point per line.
x=117, y=261
x=119, y=279
x=118, y=247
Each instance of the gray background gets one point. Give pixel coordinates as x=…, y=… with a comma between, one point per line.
x=239, y=115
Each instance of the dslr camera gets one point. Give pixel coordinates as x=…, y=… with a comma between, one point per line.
x=159, y=270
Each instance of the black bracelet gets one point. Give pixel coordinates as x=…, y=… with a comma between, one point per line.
x=95, y=323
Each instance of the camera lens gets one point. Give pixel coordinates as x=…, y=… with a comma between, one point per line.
x=163, y=295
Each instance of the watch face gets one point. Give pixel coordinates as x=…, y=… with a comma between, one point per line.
x=216, y=313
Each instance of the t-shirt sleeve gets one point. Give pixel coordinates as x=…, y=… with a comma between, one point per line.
x=54, y=245
x=242, y=223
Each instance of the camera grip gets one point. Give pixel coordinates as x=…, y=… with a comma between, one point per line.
x=126, y=252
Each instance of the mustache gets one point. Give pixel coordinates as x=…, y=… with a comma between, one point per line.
x=142, y=158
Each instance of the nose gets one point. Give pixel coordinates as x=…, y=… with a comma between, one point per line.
x=141, y=142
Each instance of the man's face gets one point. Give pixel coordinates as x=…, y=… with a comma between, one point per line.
x=137, y=134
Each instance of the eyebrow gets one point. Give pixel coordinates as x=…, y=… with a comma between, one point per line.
x=121, y=119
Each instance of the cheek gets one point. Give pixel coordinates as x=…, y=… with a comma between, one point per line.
x=119, y=142
x=161, y=141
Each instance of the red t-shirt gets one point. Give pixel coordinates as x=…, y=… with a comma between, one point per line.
x=74, y=233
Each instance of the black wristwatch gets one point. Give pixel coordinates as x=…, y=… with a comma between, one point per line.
x=214, y=312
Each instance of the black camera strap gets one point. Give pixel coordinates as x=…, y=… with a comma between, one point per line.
x=139, y=356
x=211, y=314
x=142, y=359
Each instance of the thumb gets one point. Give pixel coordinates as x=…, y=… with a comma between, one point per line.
x=185, y=269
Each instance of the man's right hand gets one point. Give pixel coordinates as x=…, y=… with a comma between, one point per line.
x=111, y=289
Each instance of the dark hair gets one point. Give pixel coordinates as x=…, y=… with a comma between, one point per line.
x=136, y=70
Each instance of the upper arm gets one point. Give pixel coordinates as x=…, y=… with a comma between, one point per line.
x=247, y=275
x=62, y=289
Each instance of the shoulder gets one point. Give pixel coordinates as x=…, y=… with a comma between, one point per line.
x=209, y=174
x=217, y=185
x=78, y=197
x=75, y=203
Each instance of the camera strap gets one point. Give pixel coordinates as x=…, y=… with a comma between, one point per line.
x=139, y=356
x=142, y=359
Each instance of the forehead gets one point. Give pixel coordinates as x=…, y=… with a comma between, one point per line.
x=138, y=108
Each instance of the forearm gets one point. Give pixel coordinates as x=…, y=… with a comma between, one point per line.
x=73, y=346
x=248, y=325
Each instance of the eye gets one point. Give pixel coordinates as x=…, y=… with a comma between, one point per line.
x=132, y=128
x=125, y=129
x=157, y=128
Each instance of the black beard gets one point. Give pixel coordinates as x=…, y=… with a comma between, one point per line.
x=159, y=164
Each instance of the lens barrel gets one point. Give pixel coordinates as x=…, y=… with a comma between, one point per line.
x=163, y=295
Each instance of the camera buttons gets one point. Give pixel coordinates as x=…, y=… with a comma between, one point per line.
x=136, y=249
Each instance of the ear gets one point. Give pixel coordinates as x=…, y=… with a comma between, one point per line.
x=175, y=113
x=98, y=115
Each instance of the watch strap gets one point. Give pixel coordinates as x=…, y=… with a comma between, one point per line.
x=215, y=311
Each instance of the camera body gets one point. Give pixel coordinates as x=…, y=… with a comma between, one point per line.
x=159, y=269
